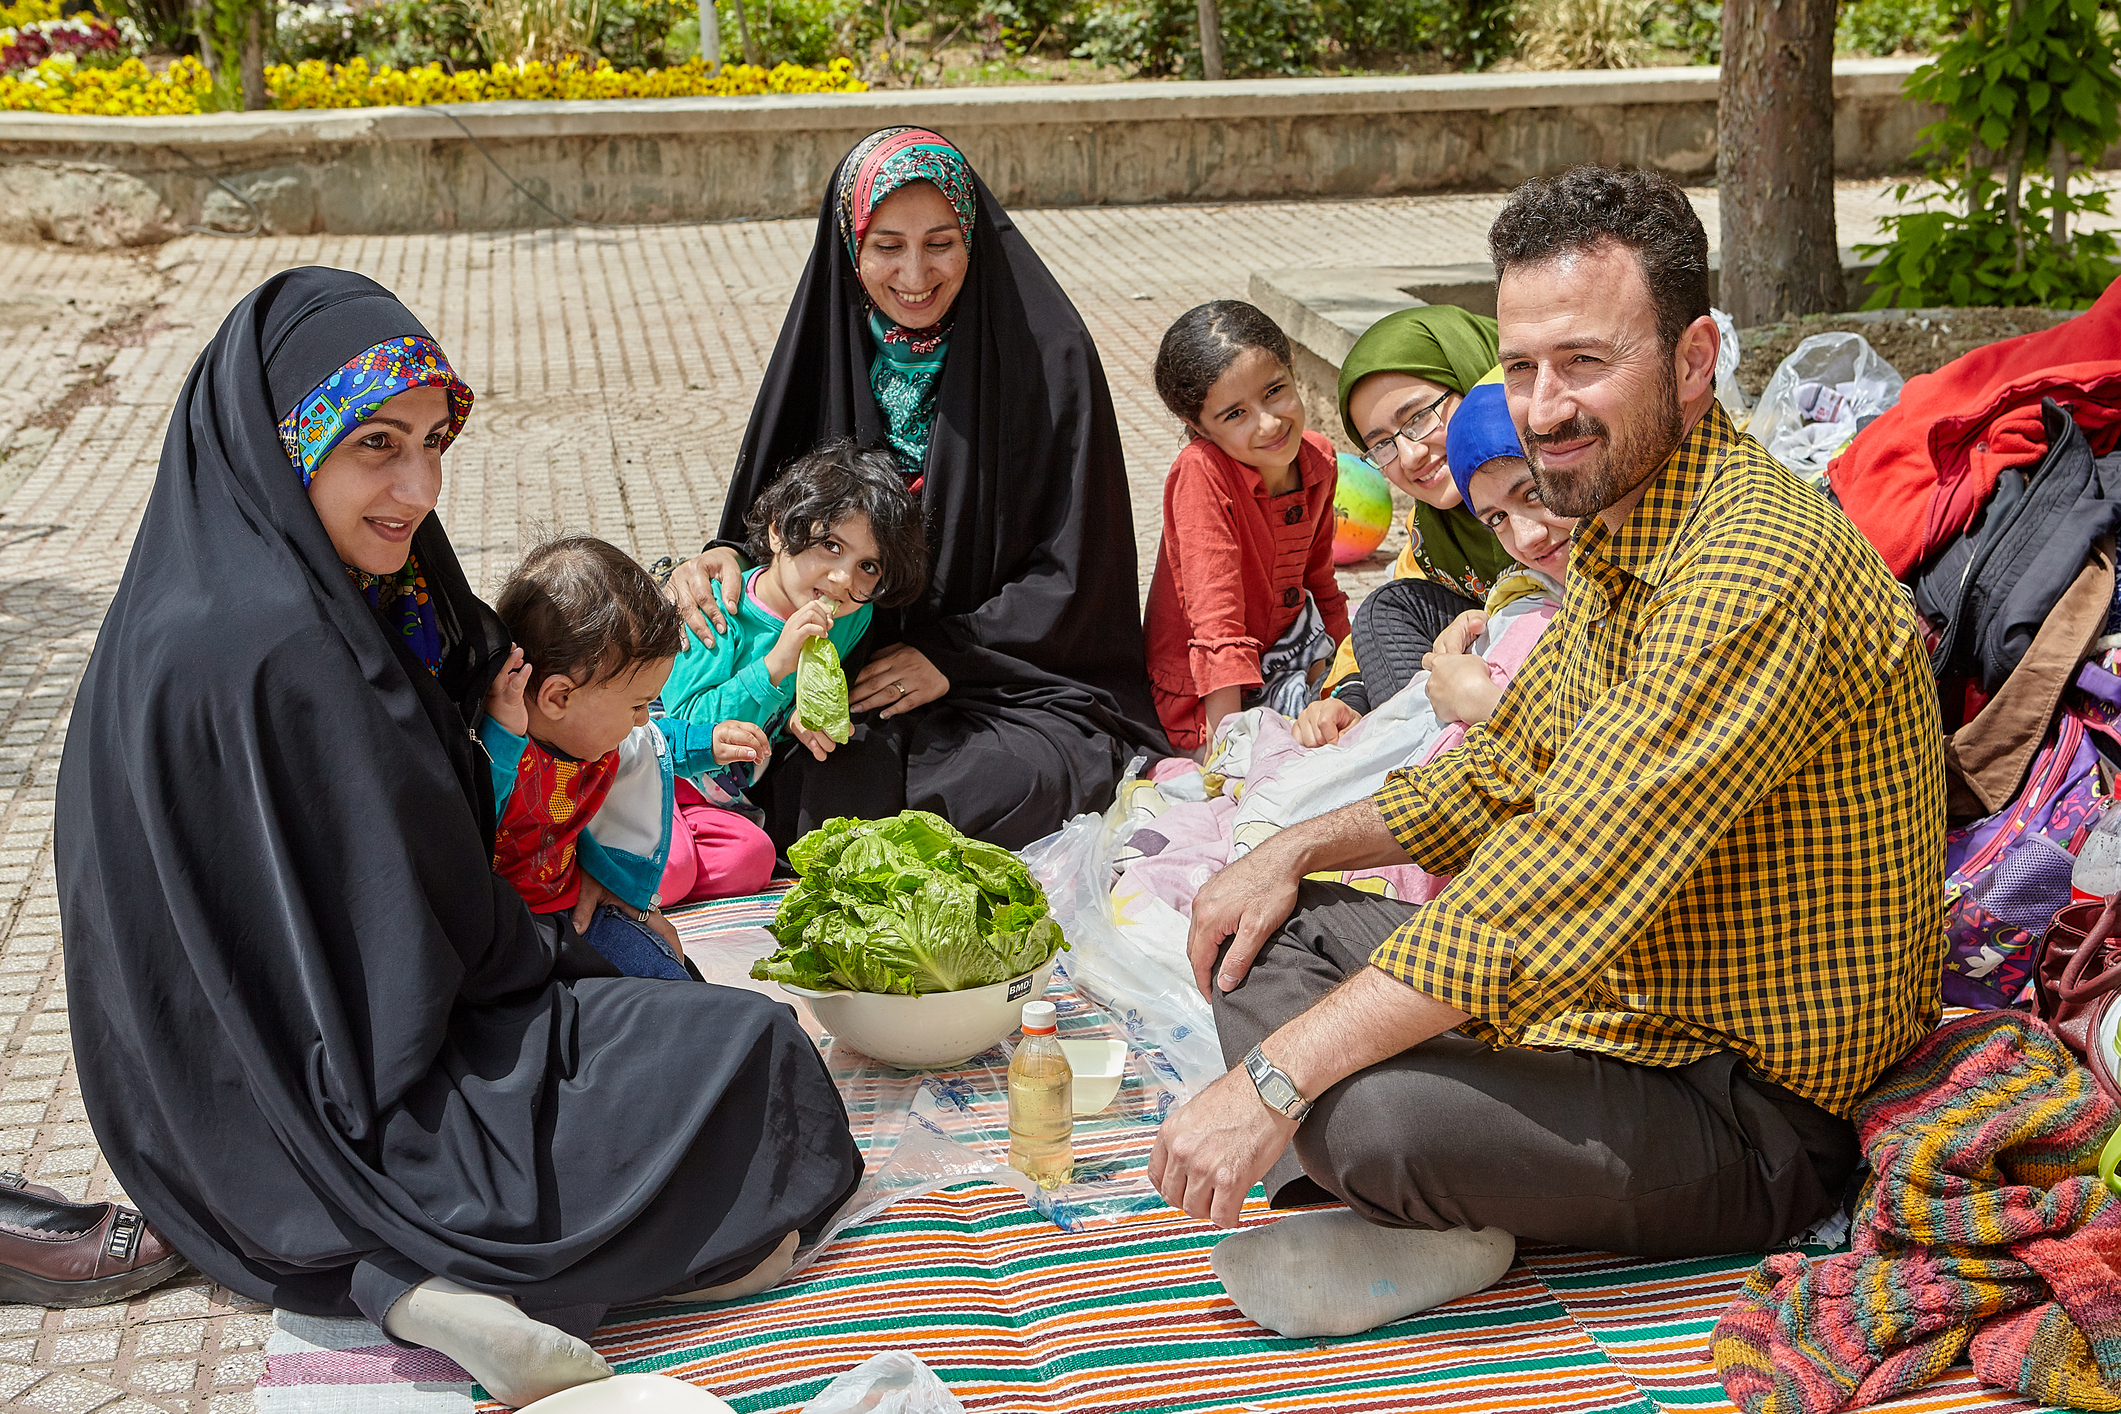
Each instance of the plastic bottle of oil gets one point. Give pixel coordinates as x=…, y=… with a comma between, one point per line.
x=1041, y=1101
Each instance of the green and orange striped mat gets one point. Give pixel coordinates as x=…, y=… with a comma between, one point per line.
x=1121, y=1315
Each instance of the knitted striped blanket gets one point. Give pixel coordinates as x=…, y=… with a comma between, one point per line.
x=1983, y=1230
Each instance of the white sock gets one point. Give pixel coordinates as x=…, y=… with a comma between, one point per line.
x=751, y=1283
x=1331, y=1273
x=516, y=1358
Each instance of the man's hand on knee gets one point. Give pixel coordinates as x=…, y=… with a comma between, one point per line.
x=1248, y=900
x=1242, y=905
x=1215, y=1147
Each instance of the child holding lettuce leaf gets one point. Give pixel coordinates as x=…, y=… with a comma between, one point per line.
x=836, y=533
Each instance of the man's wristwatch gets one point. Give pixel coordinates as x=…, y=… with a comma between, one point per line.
x=1276, y=1090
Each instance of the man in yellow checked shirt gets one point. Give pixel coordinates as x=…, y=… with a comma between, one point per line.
x=1697, y=856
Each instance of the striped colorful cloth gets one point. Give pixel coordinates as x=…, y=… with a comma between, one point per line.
x=1984, y=1229
x=1121, y=1314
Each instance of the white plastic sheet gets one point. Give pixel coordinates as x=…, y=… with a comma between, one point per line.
x=895, y=1382
x=1824, y=392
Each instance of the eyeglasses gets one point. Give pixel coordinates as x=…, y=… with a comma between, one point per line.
x=1420, y=425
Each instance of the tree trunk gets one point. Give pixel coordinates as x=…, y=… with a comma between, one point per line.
x=202, y=19
x=1211, y=40
x=710, y=34
x=743, y=29
x=1775, y=161
x=2058, y=173
x=252, y=63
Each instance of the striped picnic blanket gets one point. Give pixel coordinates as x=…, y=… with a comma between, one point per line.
x=1118, y=1313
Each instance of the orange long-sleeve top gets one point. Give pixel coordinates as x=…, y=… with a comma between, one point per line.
x=1231, y=573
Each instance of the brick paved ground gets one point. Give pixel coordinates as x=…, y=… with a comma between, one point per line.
x=614, y=371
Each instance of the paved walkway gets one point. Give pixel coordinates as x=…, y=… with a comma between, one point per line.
x=614, y=371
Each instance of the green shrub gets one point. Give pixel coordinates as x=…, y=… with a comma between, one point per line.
x=1883, y=27
x=1288, y=36
x=165, y=24
x=403, y=34
x=636, y=34
x=2031, y=90
x=812, y=32
x=1691, y=29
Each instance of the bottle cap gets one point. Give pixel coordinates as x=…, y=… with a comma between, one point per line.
x=1038, y=1019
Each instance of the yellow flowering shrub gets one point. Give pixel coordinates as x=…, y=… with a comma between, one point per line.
x=131, y=90
x=28, y=12
x=315, y=84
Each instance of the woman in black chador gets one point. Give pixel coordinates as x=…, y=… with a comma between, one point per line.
x=1012, y=694
x=330, y=1055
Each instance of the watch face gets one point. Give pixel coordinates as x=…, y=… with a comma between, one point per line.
x=1277, y=1091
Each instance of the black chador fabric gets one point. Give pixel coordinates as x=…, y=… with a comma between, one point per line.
x=1032, y=609
x=317, y=1036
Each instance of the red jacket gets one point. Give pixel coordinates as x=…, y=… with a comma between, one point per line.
x=534, y=844
x=1914, y=478
x=1231, y=574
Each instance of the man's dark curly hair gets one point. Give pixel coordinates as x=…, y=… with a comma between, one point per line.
x=823, y=487
x=1585, y=207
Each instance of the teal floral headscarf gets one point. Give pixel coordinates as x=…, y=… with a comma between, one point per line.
x=909, y=362
x=337, y=407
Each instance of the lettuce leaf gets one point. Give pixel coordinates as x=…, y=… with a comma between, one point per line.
x=821, y=690
x=907, y=906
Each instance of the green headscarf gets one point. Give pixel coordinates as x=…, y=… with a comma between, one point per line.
x=1439, y=342
x=1454, y=349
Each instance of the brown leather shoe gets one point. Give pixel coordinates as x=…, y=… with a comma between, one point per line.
x=10, y=1179
x=58, y=1253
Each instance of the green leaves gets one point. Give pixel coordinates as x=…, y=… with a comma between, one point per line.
x=821, y=690
x=906, y=906
x=2042, y=81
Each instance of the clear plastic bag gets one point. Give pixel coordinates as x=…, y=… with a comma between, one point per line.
x=895, y=1382
x=1728, y=392
x=1827, y=390
x=2098, y=868
x=1134, y=967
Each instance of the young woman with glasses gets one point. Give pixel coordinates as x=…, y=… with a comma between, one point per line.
x=1399, y=387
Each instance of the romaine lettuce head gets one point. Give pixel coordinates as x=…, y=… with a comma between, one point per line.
x=907, y=905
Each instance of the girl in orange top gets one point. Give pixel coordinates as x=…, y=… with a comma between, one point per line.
x=1244, y=609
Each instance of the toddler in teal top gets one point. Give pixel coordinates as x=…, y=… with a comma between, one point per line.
x=836, y=533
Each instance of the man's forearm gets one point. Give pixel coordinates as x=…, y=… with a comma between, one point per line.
x=1352, y=837
x=1370, y=1017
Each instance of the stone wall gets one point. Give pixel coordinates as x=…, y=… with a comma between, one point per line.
x=130, y=181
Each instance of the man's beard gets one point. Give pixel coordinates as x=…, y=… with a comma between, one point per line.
x=1644, y=445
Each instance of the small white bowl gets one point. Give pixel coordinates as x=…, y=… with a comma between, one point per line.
x=931, y=1032
x=630, y=1394
x=1099, y=1065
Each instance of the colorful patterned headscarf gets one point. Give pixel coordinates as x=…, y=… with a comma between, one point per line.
x=340, y=405
x=909, y=362
x=886, y=160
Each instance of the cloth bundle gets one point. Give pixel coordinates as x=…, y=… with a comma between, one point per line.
x=1983, y=1230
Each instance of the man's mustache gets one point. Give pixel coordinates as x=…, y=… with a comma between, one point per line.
x=1574, y=430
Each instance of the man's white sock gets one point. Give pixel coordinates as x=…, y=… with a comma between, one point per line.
x=516, y=1358
x=1331, y=1273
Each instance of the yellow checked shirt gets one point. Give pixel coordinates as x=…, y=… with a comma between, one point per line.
x=1709, y=811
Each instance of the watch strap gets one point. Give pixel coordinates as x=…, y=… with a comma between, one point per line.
x=1275, y=1089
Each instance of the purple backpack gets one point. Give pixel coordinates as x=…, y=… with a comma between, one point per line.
x=2008, y=875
